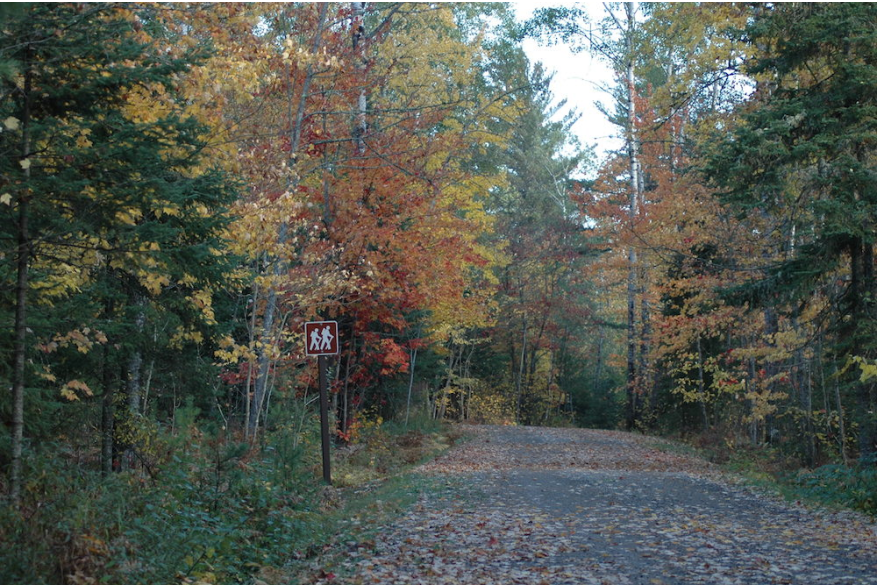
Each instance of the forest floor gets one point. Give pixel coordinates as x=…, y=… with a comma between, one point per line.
x=521, y=505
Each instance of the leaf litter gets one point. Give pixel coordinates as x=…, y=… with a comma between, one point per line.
x=526, y=505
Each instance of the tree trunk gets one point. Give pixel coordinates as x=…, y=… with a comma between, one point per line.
x=803, y=382
x=20, y=350
x=633, y=162
x=107, y=432
x=135, y=363
x=410, y=384
x=361, y=126
x=251, y=344
x=23, y=253
x=519, y=382
x=645, y=345
x=345, y=420
x=701, y=387
x=750, y=382
x=598, y=370
x=861, y=292
x=265, y=352
x=807, y=405
x=840, y=415
x=771, y=328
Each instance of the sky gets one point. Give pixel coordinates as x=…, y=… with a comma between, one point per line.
x=577, y=78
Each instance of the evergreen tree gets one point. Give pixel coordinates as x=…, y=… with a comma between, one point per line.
x=803, y=155
x=111, y=216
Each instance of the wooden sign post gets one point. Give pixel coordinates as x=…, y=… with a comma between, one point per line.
x=321, y=341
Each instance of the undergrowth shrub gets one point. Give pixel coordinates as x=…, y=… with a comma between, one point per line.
x=200, y=506
x=215, y=511
x=853, y=487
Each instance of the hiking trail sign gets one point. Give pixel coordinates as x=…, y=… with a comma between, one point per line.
x=321, y=341
x=321, y=338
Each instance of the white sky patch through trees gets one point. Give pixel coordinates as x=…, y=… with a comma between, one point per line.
x=580, y=78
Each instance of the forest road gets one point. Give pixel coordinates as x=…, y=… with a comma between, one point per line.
x=544, y=505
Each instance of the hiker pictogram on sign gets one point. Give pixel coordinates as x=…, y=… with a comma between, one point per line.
x=321, y=338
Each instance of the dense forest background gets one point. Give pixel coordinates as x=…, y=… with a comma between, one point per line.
x=182, y=186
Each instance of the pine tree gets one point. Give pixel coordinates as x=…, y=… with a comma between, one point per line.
x=112, y=204
x=803, y=156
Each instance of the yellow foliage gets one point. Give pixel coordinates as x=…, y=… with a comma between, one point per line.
x=184, y=335
x=69, y=390
x=129, y=216
x=148, y=103
x=490, y=406
x=83, y=339
x=203, y=300
x=230, y=353
x=57, y=280
x=82, y=140
x=153, y=282
x=868, y=368
x=169, y=210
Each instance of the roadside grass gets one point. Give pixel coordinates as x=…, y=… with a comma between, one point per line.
x=374, y=484
x=832, y=486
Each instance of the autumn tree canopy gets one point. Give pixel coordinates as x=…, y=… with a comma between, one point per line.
x=183, y=186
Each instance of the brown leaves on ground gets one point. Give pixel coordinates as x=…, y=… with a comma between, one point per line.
x=537, y=505
x=497, y=448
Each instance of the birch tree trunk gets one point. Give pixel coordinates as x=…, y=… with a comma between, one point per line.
x=361, y=126
x=634, y=202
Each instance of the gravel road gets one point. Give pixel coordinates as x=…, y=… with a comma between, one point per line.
x=565, y=506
